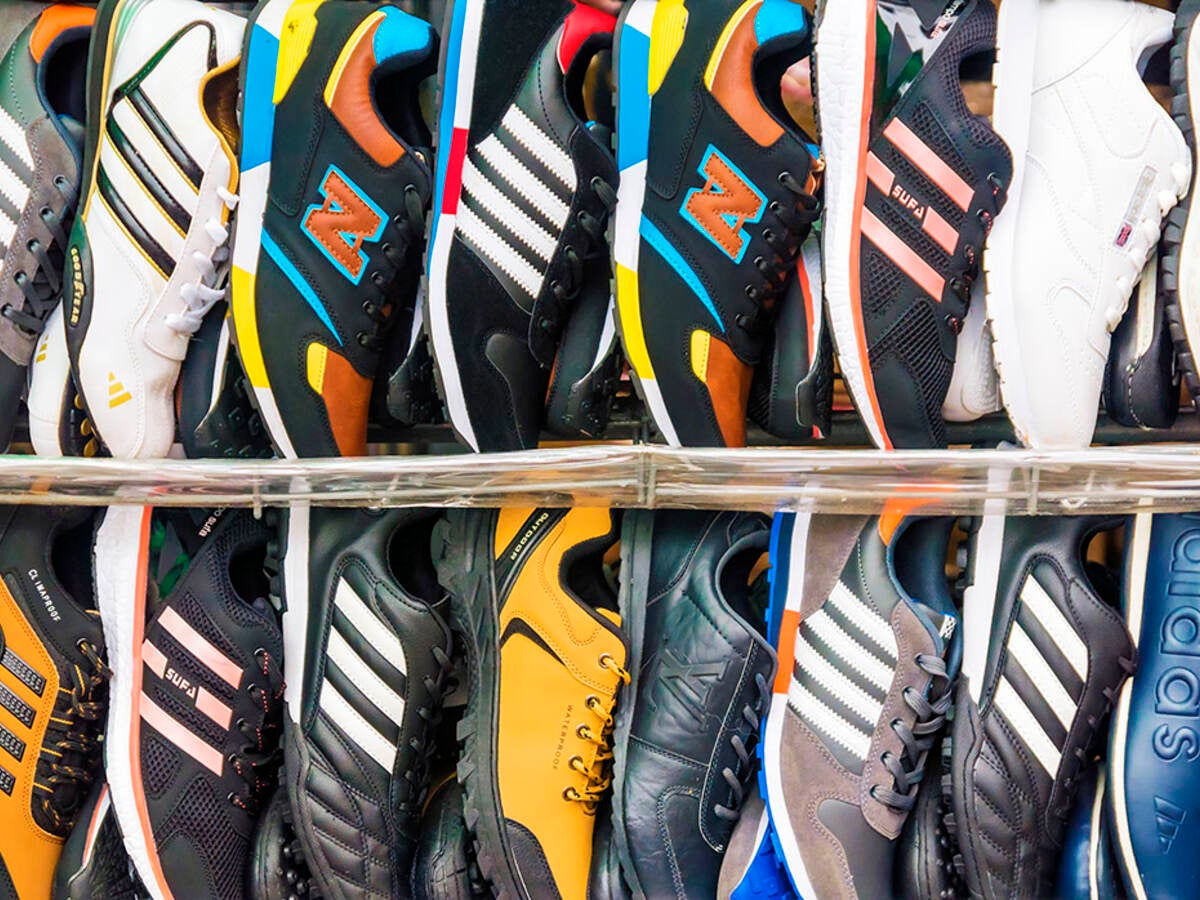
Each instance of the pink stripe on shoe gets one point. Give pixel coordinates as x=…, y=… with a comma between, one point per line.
x=879, y=174
x=217, y=662
x=213, y=708
x=154, y=658
x=930, y=163
x=902, y=255
x=177, y=734
x=940, y=230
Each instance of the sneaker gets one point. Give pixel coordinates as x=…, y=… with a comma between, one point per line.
x=914, y=181
x=53, y=688
x=444, y=867
x=583, y=383
x=94, y=864
x=713, y=209
x=367, y=665
x=58, y=424
x=1071, y=67
x=328, y=243
x=41, y=151
x=688, y=726
x=1044, y=655
x=537, y=616
x=1141, y=382
x=925, y=853
x=149, y=246
x=278, y=869
x=867, y=653
x=1180, y=277
x=524, y=191
x=1152, y=786
x=1086, y=870
x=974, y=390
x=791, y=396
x=217, y=418
x=751, y=870
x=412, y=396
x=198, y=690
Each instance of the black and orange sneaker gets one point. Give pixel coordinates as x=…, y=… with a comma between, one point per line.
x=716, y=196
x=524, y=191
x=53, y=689
x=335, y=184
x=913, y=182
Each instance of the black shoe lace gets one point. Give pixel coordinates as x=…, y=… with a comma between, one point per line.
x=566, y=287
x=423, y=747
x=772, y=273
x=907, y=769
x=41, y=290
x=739, y=778
x=258, y=759
x=408, y=229
x=76, y=751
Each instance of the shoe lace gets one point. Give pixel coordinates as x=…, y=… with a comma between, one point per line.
x=599, y=772
x=570, y=281
x=76, y=752
x=424, y=748
x=963, y=283
x=199, y=298
x=771, y=273
x=409, y=229
x=41, y=291
x=747, y=764
x=907, y=769
x=258, y=759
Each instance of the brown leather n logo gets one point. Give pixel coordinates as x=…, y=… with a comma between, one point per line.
x=343, y=223
x=728, y=201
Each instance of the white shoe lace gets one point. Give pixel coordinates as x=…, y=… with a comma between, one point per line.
x=199, y=298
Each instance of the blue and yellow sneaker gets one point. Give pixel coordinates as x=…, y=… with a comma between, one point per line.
x=336, y=181
x=716, y=196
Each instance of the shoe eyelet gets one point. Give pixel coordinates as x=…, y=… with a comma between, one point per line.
x=582, y=731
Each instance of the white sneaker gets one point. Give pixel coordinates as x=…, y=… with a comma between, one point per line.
x=974, y=388
x=148, y=250
x=1098, y=165
x=58, y=425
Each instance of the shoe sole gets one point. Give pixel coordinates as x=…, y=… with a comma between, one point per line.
x=456, y=89
x=632, y=49
x=1133, y=603
x=637, y=531
x=1180, y=265
x=783, y=618
x=846, y=34
x=260, y=56
x=463, y=545
x=121, y=558
x=1012, y=78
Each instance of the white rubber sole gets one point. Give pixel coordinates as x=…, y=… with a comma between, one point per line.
x=845, y=37
x=295, y=612
x=120, y=559
x=454, y=120
x=1013, y=81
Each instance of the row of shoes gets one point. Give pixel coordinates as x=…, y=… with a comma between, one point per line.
x=284, y=207
x=585, y=703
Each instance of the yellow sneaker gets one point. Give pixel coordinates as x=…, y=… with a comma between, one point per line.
x=546, y=658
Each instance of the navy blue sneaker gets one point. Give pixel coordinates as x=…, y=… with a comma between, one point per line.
x=1156, y=727
x=1086, y=870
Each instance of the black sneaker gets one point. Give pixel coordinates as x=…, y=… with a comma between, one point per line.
x=524, y=190
x=94, y=864
x=198, y=697
x=335, y=184
x=278, y=869
x=716, y=196
x=687, y=730
x=587, y=370
x=925, y=852
x=1045, y=654
x=445, y=867
x=913, y=183
x=368, y=661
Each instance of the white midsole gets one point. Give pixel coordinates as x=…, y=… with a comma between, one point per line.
x=295, y=613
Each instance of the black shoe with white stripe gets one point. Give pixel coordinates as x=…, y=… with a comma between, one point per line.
x=524, y=190
x=1044, y=656
x=367, y=660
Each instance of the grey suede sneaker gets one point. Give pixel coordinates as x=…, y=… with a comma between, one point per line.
x=866, y=658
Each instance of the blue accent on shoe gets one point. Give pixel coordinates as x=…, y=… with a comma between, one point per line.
x=293, y=275
x=778, y=571
x=400, y=33
x=445, y=130
x=633, y=99
x=258, y=126
x=675, y=260
x=765, y=877
x=776, y=17
x=730, y=219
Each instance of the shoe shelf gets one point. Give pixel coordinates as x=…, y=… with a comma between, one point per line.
x=1109, y=480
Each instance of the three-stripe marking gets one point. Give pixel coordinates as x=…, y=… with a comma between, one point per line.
x=16, y=176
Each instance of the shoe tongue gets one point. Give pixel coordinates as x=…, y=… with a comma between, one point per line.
x=943, y=629
x=401, y=40
x=582, y=24
x=782, y=20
